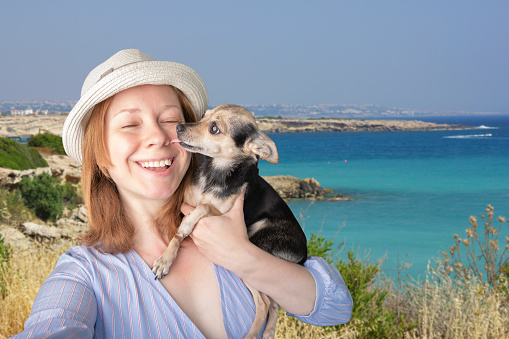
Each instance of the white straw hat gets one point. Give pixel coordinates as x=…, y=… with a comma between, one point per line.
x=128, y=68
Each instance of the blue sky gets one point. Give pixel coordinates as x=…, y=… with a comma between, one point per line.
x=426, y=55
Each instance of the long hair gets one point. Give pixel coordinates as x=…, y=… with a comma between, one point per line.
x=109, y=227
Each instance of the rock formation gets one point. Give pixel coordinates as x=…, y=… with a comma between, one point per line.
x=28, y=234
x=9, y=178
x=289, y=187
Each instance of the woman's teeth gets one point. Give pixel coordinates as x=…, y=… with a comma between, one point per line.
x=162, y=163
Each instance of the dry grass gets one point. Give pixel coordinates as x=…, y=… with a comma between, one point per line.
x=290, y=328
x=443, y=306
x=479, y=254
x=22, y=280
x=449, y=308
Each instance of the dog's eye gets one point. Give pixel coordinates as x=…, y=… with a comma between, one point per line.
x=213, y=129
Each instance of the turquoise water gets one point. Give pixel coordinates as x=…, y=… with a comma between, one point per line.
x=412, y=191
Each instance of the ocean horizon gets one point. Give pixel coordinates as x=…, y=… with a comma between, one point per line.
x=411, y=191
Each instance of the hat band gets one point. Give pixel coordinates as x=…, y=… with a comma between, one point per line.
x=113, y=69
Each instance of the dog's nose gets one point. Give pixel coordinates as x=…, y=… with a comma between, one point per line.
x=180, y=128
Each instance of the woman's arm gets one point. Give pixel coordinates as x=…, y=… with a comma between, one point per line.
x=300, y=290
x=65, y=307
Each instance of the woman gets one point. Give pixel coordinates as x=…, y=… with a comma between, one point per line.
x=133, y=180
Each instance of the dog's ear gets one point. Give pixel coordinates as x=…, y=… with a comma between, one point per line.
x=264, y=147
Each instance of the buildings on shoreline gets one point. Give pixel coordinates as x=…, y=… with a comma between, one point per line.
x=278, y=110
x=19, y=108
x=28, y=111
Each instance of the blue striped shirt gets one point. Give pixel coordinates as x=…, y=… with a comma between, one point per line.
x=92, y=294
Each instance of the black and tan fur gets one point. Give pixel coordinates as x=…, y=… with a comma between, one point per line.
x=232, y=144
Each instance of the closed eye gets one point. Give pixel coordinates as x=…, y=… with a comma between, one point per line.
x=129, y=125
x=172, y=122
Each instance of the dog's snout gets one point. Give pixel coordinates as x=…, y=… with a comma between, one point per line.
x=180, y=128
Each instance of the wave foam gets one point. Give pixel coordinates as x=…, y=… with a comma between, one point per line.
x=471, y=136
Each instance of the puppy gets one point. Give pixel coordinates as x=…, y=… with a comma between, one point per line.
x=232, y=144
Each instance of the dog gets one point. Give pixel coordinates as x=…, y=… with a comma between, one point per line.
x=232, y=145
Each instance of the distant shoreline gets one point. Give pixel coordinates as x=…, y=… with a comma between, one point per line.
x=34, y=124
x=269, y=125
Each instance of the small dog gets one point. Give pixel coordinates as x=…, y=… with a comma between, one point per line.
x=232, y=144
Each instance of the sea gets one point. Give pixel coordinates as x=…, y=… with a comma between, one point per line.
x=411, y=191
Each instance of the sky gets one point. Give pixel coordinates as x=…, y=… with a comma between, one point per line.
x=426, y=55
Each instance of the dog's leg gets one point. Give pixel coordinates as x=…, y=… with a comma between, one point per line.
x=270, y=328
x=162, y=264
x=262, y=303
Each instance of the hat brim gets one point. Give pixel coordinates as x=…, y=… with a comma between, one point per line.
x=141, y=73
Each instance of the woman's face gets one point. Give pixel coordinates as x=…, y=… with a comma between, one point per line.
x=140, y=124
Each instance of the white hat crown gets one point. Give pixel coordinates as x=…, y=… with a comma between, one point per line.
x=118, y=60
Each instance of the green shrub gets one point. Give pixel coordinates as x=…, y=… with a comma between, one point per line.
x=372, y=319
x=48, y=140
x=5, y=253
x=368, y=301
x=70, y=196
x=319, y=247
x=12, y=208
x=19, y=157
x=43, y=195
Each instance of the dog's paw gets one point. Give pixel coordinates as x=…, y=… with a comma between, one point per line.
x=161, y=266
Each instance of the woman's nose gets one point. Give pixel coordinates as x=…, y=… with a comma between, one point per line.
x=156, y=135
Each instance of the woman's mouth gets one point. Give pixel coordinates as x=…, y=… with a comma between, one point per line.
x=161, y=165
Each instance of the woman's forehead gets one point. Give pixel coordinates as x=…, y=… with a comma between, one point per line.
x=152, y=98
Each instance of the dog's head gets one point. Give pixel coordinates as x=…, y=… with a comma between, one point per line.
x=227, y=132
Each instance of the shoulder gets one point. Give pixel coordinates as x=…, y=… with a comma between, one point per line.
x=94, y=262
x=75, y=262
x=79, y=255
x=91, y=254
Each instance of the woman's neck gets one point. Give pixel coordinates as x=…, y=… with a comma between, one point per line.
x=147, y=240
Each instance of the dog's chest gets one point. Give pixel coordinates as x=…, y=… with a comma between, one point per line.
x=196, y=195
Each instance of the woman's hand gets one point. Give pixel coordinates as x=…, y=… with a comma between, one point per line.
x=222, y=238
x=224, y=241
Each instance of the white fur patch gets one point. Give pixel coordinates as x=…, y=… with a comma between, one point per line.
x=287, y=256
x=256, y=227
